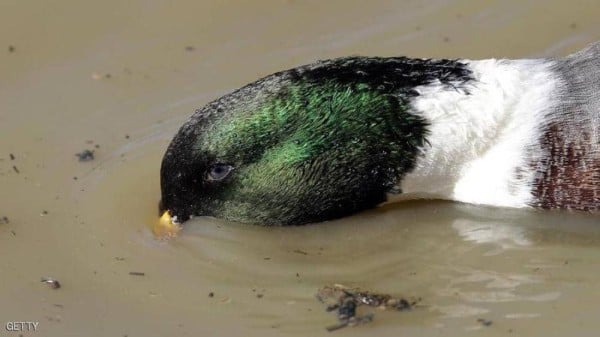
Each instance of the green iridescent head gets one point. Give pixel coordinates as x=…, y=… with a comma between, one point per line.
x=305, y=145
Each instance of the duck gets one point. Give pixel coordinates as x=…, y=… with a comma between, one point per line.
x=335, y=137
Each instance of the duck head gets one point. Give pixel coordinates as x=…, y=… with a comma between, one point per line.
x=304, y=145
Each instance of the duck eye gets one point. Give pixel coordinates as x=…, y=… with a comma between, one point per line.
x=218, y=172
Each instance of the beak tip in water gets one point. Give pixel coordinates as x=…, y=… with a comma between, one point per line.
x=166, y=227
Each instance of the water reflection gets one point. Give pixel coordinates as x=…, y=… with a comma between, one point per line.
x=463, y=260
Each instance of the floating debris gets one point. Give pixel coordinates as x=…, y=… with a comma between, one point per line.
x=16, y=169
x=354, y=321
x=137, y=273
x=12, y=156
x=97, y=76
x=345, y=302
x=54, y=284
x=4, y=220
x=299, y=251
x=11, y=49
x=85, y=155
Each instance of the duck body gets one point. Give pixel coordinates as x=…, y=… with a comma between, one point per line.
x=335, y=137
x=522, y=133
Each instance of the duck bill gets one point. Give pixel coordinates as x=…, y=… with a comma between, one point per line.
x=166, y=226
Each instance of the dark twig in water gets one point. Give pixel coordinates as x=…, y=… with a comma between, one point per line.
x=85, y=155
x=137, y=273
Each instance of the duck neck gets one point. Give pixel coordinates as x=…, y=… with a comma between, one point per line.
x=480, y=134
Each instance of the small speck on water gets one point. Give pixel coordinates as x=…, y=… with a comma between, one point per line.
x=97, y=76
x=137, y=273
x=16, y=169
x=85, y=155
x=44, y=213
x=4, y=220
x=190, y=48
x=11, y=49
x=211, y=294
x=484, y=322
x=126, y=136
x=298, y=251
x=54, y=284
x=12, y=156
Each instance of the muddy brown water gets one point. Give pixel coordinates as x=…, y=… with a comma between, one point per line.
x=119, y=78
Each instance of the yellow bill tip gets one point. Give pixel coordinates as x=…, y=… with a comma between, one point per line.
x=165, y=227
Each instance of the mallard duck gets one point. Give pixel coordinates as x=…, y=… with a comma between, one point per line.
x=335, y=137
